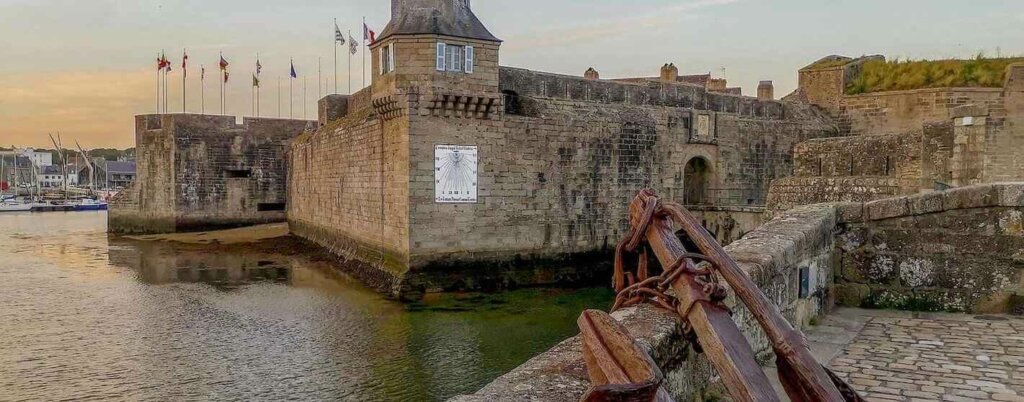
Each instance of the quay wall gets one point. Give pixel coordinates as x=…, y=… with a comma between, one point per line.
x=200, y=172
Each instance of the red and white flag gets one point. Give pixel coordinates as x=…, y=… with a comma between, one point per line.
x=184, y=62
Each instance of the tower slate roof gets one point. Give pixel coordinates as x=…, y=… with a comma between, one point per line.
x=437, y=17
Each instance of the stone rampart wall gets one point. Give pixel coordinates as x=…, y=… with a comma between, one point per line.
x=348, y=192
x=198, y=172
x=958, y=250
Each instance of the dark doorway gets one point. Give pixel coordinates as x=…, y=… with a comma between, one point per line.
x=696, y=178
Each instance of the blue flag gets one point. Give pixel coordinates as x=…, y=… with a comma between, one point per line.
x=294, y=74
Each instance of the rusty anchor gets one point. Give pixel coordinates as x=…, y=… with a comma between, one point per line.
x=690, y=286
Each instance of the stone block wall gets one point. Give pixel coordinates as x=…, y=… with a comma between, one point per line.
x=773, y=255
x=894, y=156
x=790, y=192
x=907, y=111
x=958, y=250
x=348, y=192
x=556, y=178
x=200, y=172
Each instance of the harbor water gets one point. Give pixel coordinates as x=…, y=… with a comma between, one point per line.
x=84, y=316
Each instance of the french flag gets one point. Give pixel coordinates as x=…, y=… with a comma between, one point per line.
x=368, y=34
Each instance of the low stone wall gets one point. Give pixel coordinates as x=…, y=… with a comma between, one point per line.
x=773, y=255
x=958, y=250
x=789, y=192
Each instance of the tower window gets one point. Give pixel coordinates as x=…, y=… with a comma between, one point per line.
x=455, y=58
x=387, y=59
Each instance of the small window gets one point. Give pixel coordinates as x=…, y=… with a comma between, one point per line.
x=387, y=59
x=270, y=206
x=238, y=173
x=513, y=106
x=454, y=58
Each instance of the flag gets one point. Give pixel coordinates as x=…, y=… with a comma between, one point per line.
x=293, y=73
x=368, y=34
x=353, y=47
x=255, y=81
x=160, y=63
x=163, y=63
x=184, y=63
x=226, y=76
x=259, y=67
x=223, y=64
x=202, y=73
x=338, y=36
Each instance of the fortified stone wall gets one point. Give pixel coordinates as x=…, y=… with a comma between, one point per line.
x=556, y=175
x=197, y=172
x=959, y=250
x=348, y=192
x=796, y=247
x=908, y=111
x=930, y=139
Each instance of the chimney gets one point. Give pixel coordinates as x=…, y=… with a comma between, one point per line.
x=766, y=91
x=669, y=72
x=591, y=74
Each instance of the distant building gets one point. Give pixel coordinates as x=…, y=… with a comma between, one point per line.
x=108, y=174
x=119, y=174
x=54, y=176
x=39, y=159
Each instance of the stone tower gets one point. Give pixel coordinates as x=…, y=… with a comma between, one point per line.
x=766, y=90
x=434, y=43
x=591, y=74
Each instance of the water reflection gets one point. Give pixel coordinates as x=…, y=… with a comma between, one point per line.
x=85, y=316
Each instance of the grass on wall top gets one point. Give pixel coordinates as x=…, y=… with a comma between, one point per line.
x=897, y=75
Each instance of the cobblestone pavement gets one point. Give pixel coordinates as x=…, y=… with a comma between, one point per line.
x=901, y=356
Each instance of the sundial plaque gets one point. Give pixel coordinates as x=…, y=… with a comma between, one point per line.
x=455, y=173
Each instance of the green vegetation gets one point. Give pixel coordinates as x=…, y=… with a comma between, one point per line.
x=896, y=75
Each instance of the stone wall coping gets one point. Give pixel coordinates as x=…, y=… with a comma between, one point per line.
x=1010, y=194
x=559, y=374
x=924, y=90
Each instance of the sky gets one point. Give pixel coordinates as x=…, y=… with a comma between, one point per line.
x=84, y=68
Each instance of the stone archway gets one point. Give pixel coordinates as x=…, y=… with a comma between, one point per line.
x=696, y=179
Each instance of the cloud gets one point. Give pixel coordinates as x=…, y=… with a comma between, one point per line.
x=94, y=107
x=614, y=27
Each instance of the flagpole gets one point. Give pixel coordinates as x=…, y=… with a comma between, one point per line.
x=335, y=57
x=279, y=96
x=202, y=88
x=221, y=79
x=305, y=99
x=349, y=63
x=159, y=65
x=364, y=53
x=184, y=73
x=291, y=92
x=320, y=73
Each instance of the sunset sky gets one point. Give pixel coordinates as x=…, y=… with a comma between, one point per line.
x=85, y=67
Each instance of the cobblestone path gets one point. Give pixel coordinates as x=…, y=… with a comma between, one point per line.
x=933, y=357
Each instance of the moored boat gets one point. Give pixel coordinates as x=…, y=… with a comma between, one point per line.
x=90, y=205
x=14, y=207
